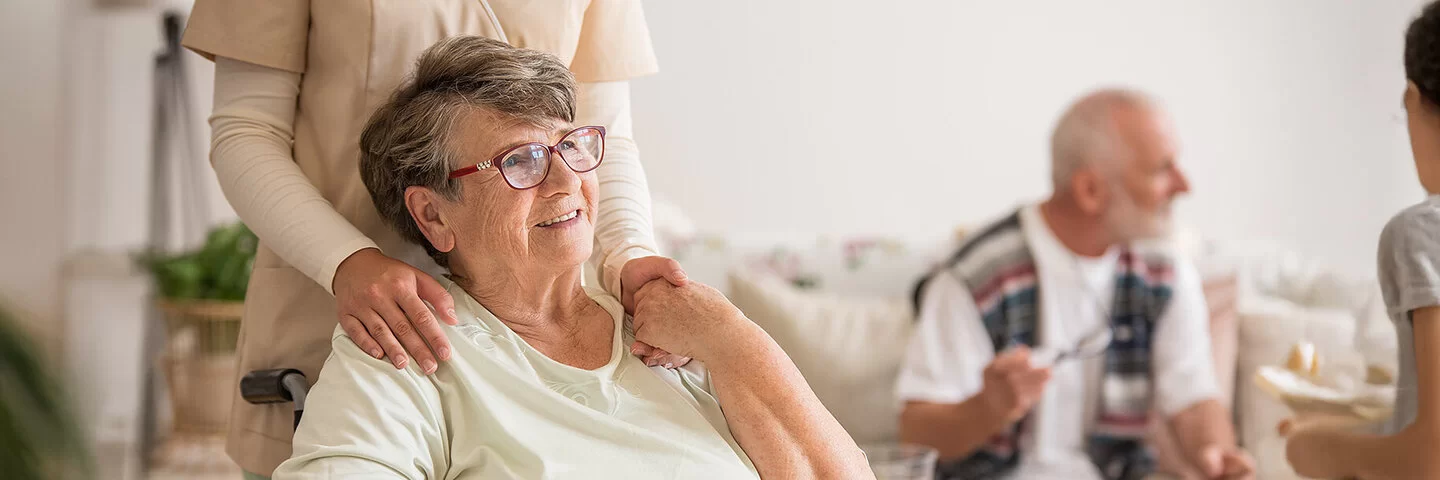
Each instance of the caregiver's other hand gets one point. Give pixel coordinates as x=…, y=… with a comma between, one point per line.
x=637, y=273
x=382, y=308
x=641, y=271
x=694, y=320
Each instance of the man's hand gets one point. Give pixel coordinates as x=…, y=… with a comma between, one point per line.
x=1226, y=462
x=382, y=308
x=634, y=275
x=1012, y=385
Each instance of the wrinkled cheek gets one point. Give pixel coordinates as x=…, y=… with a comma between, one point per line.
x=590, y=190
x=496, y=226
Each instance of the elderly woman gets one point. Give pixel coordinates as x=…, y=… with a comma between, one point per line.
x=477, y=161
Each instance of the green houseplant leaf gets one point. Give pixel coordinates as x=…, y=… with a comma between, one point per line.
x=39, y=438
x=218, y=270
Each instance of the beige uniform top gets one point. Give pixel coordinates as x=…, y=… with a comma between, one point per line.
x=352, y=55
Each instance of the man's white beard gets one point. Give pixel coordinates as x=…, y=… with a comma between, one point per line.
x=1127, y=222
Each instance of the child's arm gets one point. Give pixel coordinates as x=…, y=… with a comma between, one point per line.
x=1332, y=453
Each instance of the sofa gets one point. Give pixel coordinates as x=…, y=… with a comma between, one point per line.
x=840, y=306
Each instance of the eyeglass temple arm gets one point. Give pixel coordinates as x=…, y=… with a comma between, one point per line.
x=470, y=169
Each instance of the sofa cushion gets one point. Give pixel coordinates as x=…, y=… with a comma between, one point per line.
x=848, y=347
x=1268, y=329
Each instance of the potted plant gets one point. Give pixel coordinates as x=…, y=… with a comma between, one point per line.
x=201, y=295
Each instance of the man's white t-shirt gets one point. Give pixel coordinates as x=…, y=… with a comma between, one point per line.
x=950, y=349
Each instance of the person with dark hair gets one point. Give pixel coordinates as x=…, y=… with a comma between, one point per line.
x=1409, y=274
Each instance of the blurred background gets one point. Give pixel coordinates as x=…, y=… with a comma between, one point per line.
x=772, y=127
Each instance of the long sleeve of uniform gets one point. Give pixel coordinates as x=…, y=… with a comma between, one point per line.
x=250, y=149
x=623, y=231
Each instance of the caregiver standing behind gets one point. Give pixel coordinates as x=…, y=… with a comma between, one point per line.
x=294, y=83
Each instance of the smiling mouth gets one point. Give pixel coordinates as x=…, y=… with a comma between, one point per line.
x=560, y=219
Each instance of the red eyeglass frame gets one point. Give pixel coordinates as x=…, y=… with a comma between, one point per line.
x=553, y=149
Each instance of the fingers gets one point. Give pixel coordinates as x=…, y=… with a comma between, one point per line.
x=648, y=288
x=661, y=358
x=1293, y=425
x=379, y=331
x=359, y=334
x=1035, y=377
x=1028, y=385
x=408, y=337
x=431, y=291
x=1212, y=462
x=1239, y=465
x=427, y=327
x=638, y=297
x=677, y=361
x=641, y=349
x=654, y=357
x=671, y=271
x=639, y=272
x=1012, y=357
x=1018, y=360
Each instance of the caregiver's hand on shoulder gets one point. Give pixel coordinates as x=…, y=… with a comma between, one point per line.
x=382, y=308
x=637, y=273
x=694, y=320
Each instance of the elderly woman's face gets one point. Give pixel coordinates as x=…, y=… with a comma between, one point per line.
x=550, y=225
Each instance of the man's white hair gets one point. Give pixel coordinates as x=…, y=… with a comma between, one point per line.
x=1087, y=133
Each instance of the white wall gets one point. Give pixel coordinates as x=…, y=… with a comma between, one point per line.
x=793, y=116
x=76, y=116
x=111, y=118
x=32, y=166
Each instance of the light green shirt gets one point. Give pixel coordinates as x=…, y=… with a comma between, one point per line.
x=501, y=409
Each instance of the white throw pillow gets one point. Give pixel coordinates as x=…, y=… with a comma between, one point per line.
x=848, y=347
x=1268, y=328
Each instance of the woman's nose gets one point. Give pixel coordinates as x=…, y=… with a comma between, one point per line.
x=561, y=178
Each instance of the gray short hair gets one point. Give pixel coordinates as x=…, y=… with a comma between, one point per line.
x=407, y=140
x=1086, y=132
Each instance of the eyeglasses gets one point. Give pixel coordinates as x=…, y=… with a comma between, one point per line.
x=1091, y=345
x=526, y=166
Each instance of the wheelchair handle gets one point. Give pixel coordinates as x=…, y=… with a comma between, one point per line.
x=276, y=386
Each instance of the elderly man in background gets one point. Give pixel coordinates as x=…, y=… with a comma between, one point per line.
x=1048, y=340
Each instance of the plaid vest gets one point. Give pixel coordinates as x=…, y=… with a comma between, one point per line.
x=998, y=269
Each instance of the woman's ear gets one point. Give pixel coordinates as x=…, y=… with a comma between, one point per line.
x=424, y=205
